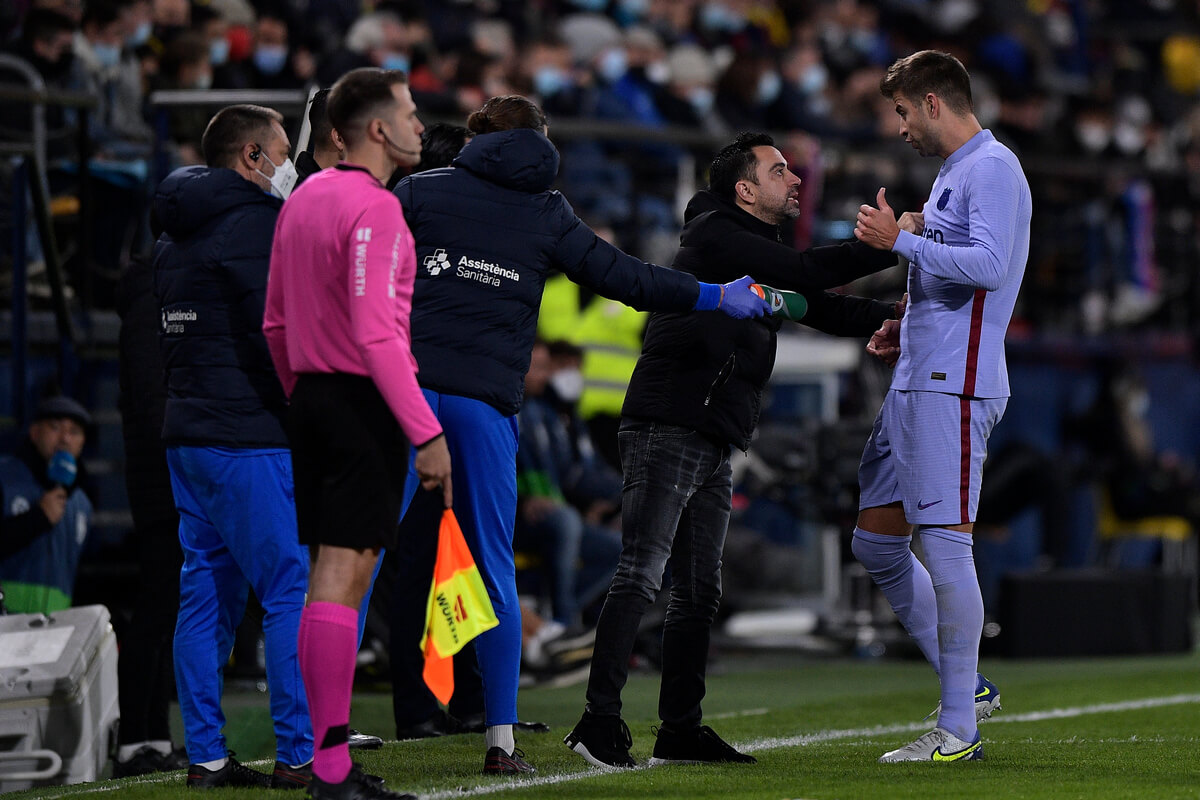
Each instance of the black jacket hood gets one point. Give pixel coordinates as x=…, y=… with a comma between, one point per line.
x=190, y=197
x=521, y=159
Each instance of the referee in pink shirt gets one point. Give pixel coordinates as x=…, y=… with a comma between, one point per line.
x=337, y=324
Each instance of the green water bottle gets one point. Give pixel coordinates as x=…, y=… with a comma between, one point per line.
x=788, y=305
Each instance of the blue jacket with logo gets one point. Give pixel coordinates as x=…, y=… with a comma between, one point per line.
x=38, y=560
x=488, y=231
x=210, y=276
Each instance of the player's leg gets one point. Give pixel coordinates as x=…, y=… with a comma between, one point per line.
x=882, y=539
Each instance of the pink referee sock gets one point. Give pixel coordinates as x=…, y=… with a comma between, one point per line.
x=327, y=647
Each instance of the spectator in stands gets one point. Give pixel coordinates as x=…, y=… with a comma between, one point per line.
x=693, y=397
x=145, y=671
x=123, y=140
x=231, y=469
x=325, y=145
x=689, y=95
x=275, y=62
x=472, y=363
x=374, y=40
x=560, y=514
x=187, y=64
x=46, y=511
x=214, y=29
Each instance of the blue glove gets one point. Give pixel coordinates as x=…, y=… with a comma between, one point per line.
x=62, y=469
x=741, y=302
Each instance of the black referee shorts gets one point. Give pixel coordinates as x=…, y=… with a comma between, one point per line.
x=349, y=461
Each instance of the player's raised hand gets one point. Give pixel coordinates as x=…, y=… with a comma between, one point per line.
x=877, y=226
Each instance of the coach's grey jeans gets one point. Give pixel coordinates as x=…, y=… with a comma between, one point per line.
x=674, y=510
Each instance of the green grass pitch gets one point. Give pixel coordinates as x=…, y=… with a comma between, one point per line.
x=1087, y=728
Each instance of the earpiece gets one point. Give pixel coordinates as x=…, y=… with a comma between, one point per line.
x=254, y=154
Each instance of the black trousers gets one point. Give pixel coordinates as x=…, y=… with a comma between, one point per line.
x=146, y=669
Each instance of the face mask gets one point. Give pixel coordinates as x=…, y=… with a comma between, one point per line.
x=548, y=81
x=658, y=72
x=719, y=17
x=270, y=58
x=1094, y=137
x=631, y=10
x=612, y=65
x=701, y=99
x=141, y=35
x=863, y=41
x=284, y=179
x=396, y=61
x=1129, y=138
x=567, y=384
x=108, y=55
x=813, y=80
x=203, y=81
x=769, y=85
x=218, y=52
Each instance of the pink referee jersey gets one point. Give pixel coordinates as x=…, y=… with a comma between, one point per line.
x=340, y=290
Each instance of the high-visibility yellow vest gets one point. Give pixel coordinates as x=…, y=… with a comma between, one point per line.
x=559, y=314
x=610, y=334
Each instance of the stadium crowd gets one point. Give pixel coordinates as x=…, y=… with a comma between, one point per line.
x=1098, y=100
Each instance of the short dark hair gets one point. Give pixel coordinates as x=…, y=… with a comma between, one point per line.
x=736, y=162
x=231, y=128
x=186, y=48
x=101, y=13
x=440, y=143
x=930, y=72
x=42, y=25
x=358, y=96
x=505, y=113
x=319, y=126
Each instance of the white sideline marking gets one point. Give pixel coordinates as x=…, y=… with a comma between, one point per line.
x=774, y=743
x=747, y=712
x=826, y=736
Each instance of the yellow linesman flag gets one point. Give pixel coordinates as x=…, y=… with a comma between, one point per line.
x=458, y=610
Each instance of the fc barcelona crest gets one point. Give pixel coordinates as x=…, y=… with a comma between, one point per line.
x=945, y=198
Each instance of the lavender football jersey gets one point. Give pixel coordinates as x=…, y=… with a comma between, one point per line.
x=964, y=273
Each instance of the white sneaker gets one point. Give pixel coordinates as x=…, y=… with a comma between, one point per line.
x=987, y=699
x=937, y=745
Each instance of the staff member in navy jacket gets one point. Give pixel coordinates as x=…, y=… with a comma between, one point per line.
x=231, y=469
x=488, y=231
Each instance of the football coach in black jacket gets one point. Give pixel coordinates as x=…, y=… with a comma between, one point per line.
x=488, y=230
x=694, y=395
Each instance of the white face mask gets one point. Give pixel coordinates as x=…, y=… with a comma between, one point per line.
x=284, y=179
x=567, y=384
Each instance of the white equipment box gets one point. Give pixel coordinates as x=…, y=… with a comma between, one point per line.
x=58, y=697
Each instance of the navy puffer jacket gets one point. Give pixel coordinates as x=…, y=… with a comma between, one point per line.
x=210, y=276
x=488, y=231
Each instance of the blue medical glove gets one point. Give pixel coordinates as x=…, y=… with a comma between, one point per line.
x=740, y=301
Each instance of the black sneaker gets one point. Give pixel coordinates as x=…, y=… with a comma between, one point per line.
x=440, y=724
x=498, y=762
x=177, y=759
x=603, y=740
x=357, y=786
x=234, y=773
x=285, y=777
x=363, y=741
x=700, y=745
x=144, y=761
